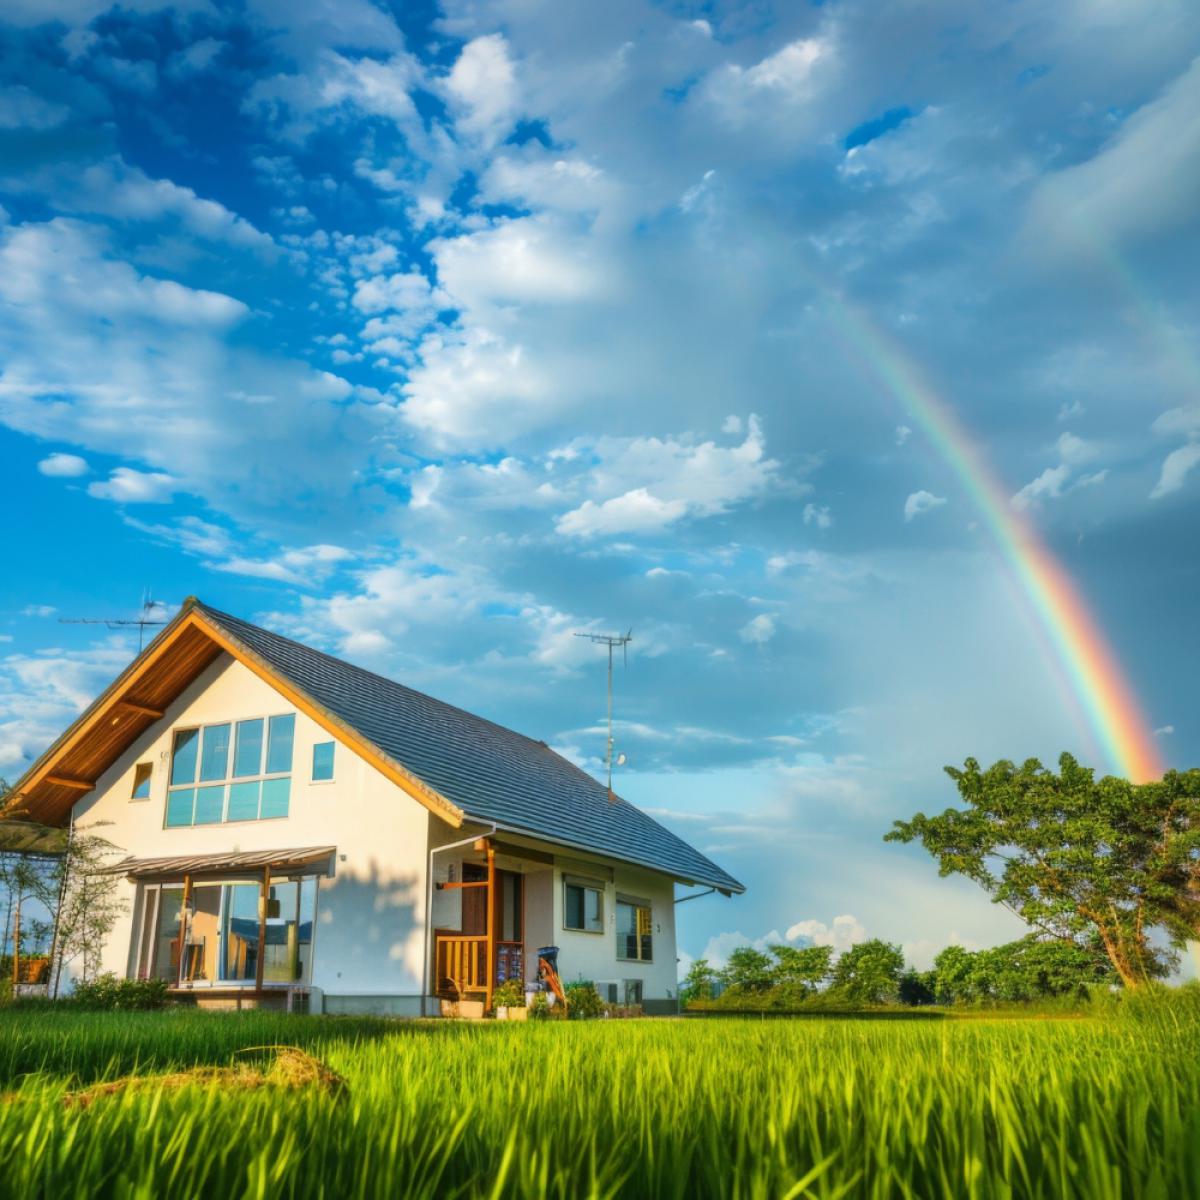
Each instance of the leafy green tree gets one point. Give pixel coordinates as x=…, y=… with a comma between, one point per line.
x=800, y=970
x=869, y=973
x=917, y=987
x=1081, y=860
x=1032, y=968
x=699, y=981
x=748, y=970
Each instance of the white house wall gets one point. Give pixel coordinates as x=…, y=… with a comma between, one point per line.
x=369, y=938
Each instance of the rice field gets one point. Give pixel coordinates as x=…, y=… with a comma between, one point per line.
x=731, y=1107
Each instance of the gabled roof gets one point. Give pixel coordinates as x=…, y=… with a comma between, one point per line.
x=459, y=765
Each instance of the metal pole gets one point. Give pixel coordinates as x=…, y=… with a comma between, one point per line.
x=609, y=756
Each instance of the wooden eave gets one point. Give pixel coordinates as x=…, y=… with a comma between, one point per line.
x=140, y=696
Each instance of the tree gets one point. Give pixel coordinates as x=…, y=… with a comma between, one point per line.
x=748, y=970
x=84, y=902
x=1032, y=968
x=869, y=973
x=1079, y=859
x=917, y=987
x=801, y=969
x=699, y=981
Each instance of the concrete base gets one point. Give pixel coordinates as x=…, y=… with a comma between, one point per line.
x=374, y=1006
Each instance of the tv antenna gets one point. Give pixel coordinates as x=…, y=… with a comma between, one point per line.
x=150, y=607
x=612, y=641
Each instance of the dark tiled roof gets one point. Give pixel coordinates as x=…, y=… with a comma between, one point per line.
x=490, y=772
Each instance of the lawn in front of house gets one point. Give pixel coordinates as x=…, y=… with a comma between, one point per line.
x=1098, y=1107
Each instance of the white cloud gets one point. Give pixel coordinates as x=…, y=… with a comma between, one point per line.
x=306, y=566
x=1142, y=184
x=127, y=486
x=758, y=630
x=818, y=515
x=112, y=188
x=637, y=511
x=1054, y=482
x=842, y=933
x=1185, y=422
x=1164, y=731
x=481, y=88
x=38, y=610
x=1175, y=470
x=921, y=502
x=64, y=466
x=772, y=92
x=903, y=433
x=21, y=108
x=121, y=363
x=645, y=484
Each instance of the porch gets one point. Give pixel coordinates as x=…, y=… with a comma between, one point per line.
x=488, y=949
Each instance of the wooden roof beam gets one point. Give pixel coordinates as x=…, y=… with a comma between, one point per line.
x=138, y=707
x=69, y=781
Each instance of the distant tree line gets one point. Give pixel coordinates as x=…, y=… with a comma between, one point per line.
x=874, y=973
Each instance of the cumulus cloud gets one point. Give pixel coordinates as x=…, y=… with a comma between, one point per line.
x=63, y=466
x=758, y=630
x=1056, y=481
x=127, y=486
x=920, y=503
x=1177, y=466
x=842, y=933
x=658, y=481
x=481, y=87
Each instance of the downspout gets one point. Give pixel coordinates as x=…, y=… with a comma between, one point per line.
x=425, y=992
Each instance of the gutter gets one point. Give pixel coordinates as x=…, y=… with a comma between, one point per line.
x=425, y=980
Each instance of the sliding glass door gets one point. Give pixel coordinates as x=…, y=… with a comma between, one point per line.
x=217, y=940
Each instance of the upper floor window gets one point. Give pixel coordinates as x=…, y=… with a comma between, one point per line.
x=635, y=941
x=142, y=774
x=231, y=772
x=322, y=762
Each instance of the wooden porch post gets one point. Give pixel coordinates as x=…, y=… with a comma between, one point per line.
x=491, y=926
x=264, y=900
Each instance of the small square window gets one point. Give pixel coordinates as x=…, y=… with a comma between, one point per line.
x=142, y=774
x=322, y=762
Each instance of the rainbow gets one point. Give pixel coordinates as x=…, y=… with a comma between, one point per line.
x=1095, y=677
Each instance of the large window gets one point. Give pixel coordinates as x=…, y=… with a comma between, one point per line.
x=583, y=906
x=635, y=941
x=216, y=940
x=231, y=772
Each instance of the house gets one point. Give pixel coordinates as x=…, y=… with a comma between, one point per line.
x=292, y=824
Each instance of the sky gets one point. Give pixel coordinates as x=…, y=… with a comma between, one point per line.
x=434, y=334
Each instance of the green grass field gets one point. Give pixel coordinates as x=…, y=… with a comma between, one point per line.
x=1096, y=1107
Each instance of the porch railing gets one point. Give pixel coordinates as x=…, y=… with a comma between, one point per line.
x=460, y=961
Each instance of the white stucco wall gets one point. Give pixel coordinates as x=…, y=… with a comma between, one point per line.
x=370, y=934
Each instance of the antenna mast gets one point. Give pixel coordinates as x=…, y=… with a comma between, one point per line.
x=612, y=641
x=149, y=607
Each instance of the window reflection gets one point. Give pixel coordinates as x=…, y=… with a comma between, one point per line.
x=217, y=941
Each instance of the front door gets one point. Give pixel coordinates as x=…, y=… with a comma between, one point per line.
x=474, y=901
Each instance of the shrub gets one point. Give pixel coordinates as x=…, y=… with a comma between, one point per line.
x=108, y=993
x=540, y=1009
x=510, y=994
x=583, y=1001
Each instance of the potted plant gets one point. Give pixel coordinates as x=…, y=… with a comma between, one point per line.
x=509, y=1001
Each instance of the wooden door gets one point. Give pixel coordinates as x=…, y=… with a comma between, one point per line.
x=474, y=900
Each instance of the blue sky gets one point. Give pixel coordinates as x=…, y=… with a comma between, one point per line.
x=434, y=334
